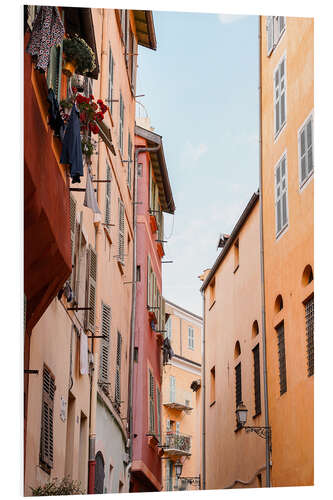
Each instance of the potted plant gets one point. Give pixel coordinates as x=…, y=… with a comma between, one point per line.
x=78, y=56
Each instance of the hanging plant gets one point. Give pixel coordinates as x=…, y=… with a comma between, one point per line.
x=78, y=56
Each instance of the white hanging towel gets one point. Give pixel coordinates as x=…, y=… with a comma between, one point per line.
x=90, y=198
x=83, y=354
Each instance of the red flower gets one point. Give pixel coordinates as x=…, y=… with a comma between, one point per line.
x=94, y=106
x=99, y=101
x=92, y=97
x=74, y=89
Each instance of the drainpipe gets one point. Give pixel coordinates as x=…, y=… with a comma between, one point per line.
x=262, y=276
x=203, y=443
x=95, y=347
x=133, y=310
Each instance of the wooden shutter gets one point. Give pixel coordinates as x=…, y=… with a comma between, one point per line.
x=133, y=64
x=162, y=317
x=172, y=389
x=281, y=194
x=73, y=231
x=282, y=92
x=92, y=276
x=129, y=163
x=151, y=403
x=305, y=151
x=121, y=123
x=238, y=379
x=282, y=358
x=256, y=372
x=108, y=195
x=46, y=441
x=277, y=99
x=270, y=34
x=309, y=321
x=177, y=427
x=158, y=397
x=309, y=135
x=148, y=281
x=150, y=187
x=110, y=78
x=118, y=367
x=105, y=346
x=121, y=233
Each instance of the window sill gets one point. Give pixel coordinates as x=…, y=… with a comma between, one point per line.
x=236, y=269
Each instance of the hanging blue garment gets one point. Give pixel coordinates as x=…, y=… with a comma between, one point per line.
x=71, y=148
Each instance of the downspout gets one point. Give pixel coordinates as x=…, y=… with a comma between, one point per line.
x=262, y=275
x=203, y=444
x=94, y=347
x=133, y=311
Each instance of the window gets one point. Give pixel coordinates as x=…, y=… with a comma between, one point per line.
x=138, y=273
x=169, y=472
x=282, y=358
x=73, y=234
x=280, y=109
x=212, y=385
x=275, y=27
x=281, y=195
x=46, y=438
x=305, y=151
x=236, y=255
x=118, y=367
x=92, y=275
x=54, y=71
x=129, y=162
x=309, y=322
x=121, y=233
x=158, y=398
x=105, y=348
x=121, y=124
x=108, y=195
x=172, y=389
x=238, y=380
x=151, y=404
x=110, y=79
x=177, y=427
x=168, y=325
x=256, y=371
x=190, y=338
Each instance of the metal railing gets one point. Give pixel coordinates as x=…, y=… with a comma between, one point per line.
x=178, y=443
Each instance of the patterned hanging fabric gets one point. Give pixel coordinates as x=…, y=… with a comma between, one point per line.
x=48, y=30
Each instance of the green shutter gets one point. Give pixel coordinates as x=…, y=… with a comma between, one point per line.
x=105, y=346
x=121, y=233
x=92, y=276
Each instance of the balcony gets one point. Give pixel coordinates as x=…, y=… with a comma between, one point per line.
x=176, y=444
x=178, y=400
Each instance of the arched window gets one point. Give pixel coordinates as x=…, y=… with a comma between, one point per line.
x=99, y=473
x=307, y=276
x=255, y=328
x=278, y=306
x=237, y=349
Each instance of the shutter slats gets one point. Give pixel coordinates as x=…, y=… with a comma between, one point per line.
x=105, y=346
x=282, y=358
x=46, y=441
x=121, y=233
x=256, y=370
x=92, y=275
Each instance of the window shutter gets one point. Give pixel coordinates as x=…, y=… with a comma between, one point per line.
x=118, y=367
x=282, y=358
x=302, y=149
x=151, y=403
x=148, y=281
x=108, y=195
x=73, y=228
x=309, y=145
x=133, y=63
x=238, y=377
x=282, y=93
x=105, y=346
x=277, y=100
x=150, y=187
x=121, y=233
x=129, y=163
x=158, y=397
x=256, y=371
x=162, y=324
x=46, y=443
x=270, y=34
x=177, y=427
x=110, y=82
x=172, y=389
x=121, y=123
x=309, y=321
x=281, y=194
x=92, y=276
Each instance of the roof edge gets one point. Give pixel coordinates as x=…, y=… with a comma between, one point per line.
x=239, y=224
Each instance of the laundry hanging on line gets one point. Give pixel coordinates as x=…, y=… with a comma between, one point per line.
x=55, y=120
x=47, y=31
x=90, y=197
x=71, y=149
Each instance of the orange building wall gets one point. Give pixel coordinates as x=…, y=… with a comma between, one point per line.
x=234, y=458
x=291, y=415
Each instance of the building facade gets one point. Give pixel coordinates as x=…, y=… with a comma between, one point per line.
x=286, y=72
x=234, y=358
x=79, y=304
x=181, y=410
x=154, y=196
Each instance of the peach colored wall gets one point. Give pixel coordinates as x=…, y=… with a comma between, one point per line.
x=185, y=372
x=291, y=415
x=234, y=456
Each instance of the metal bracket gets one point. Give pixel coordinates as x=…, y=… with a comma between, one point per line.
x=79, y=308
x=166, y=261
x=263, y=432
x=31, y=372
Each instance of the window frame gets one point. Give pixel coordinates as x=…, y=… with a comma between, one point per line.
x=274, y=20
x=190, y=338
x=282, y=230
x=277, y=67
x=308, y=176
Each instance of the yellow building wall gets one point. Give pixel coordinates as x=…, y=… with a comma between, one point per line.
x=185, y=372
x=234, y=458
x=291, y=415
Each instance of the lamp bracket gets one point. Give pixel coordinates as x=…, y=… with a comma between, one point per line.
x=263, y=432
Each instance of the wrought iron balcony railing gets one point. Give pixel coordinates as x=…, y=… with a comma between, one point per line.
x=176, y=444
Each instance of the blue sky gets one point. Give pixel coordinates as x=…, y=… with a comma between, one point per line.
x=201, y=94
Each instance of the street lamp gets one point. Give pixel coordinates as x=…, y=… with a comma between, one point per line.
x=179, y=469
x=241, y=416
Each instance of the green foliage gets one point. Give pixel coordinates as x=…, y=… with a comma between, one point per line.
x=78, y=51
x=55, y=487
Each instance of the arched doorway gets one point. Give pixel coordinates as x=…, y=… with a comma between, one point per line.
x=99, y=473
